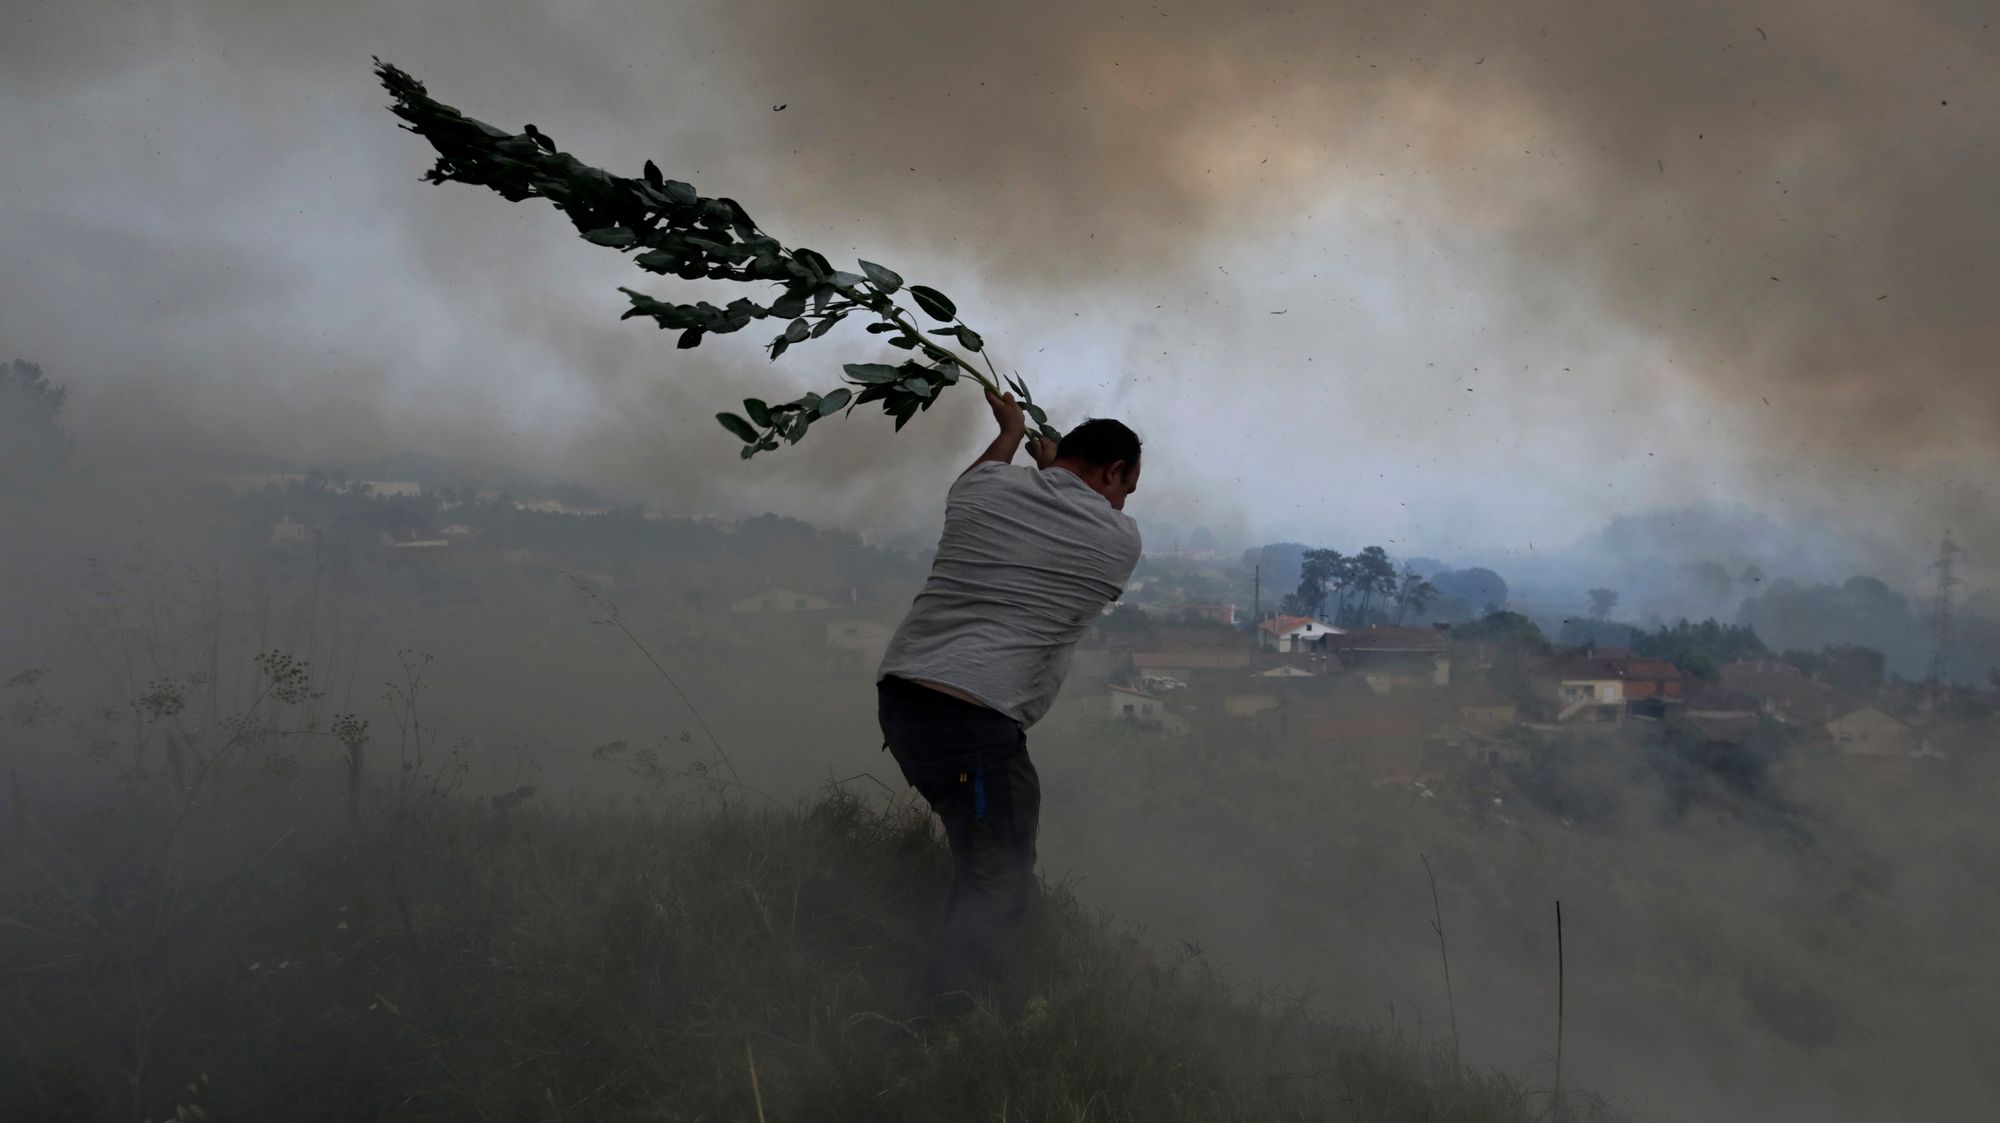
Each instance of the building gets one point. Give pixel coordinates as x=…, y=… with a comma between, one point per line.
x=1143, y=710
x=1292, y=635
x=557, y=507
x=1721, y=716
x=1391, y=659
x=1479, y=707
x=1868, y=731
x=1285, y=670
x=779, y=600
x=1606, y=685
x=414, y=538
x=1784, y=692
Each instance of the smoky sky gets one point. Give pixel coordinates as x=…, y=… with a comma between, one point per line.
x=1460, y=276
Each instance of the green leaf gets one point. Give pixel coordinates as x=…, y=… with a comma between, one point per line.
x=935, y=304
x=758, y=411
x=778, y=347
x=870, y=373
x=689, y=338
x=797, y=330
x=885, y=279
x=789, y=305
x=921, y=387
x=970, y=338
x=1036, y=412
x=905, y=342
x=834, y=401
x=682, y=193
x=749, y=451
x=881, y=328
x=845, y=280
x=737, y=426
x=611, y=236
x=1049, y=432
x=827, y=324
x=653, y=176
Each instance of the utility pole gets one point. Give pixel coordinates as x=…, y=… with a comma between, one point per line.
x=1256, y=605
x=1946, y=568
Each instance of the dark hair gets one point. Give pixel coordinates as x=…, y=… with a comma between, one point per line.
x=1101, y=441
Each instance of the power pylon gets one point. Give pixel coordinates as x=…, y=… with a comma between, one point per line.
x=1946, y=568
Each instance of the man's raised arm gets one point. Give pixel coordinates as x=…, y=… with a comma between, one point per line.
x=1013, y=429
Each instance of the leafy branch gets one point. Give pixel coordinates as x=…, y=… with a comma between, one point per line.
x=673, y=230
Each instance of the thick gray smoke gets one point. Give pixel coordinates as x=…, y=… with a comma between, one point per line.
x=1535, y=263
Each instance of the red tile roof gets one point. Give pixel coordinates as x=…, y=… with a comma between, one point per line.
x=1279, y=625
x=1622, y=667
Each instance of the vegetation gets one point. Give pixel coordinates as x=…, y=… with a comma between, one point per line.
x=1700, y=650
x=32, y=440
x=228, y=938
x=675, y=231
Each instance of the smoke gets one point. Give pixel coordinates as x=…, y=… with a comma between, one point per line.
x=1525, y=265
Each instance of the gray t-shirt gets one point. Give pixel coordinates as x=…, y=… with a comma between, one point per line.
x=1028, y=559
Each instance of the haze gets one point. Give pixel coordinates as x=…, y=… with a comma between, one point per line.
x=1688, y=302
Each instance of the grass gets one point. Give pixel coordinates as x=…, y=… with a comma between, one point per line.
x=591, y=963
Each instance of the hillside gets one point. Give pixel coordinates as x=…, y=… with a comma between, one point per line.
x=516, y=961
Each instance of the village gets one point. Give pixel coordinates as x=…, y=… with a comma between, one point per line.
x=1381, y=699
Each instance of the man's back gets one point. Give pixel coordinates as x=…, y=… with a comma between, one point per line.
x=1028, y=559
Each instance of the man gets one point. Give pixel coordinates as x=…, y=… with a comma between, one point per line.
x=1028, y=559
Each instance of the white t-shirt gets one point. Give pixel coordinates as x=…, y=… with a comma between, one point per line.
x=1028, y=559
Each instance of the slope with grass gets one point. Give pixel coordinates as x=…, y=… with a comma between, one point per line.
x=608, y=964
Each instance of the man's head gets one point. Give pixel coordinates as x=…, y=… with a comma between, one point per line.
x=1105, y=455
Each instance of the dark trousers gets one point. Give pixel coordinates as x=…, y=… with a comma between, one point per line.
x=970, y=763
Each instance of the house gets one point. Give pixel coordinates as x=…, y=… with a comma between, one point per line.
x=1465, y=744
x=1605, y=685
x=1285, y=670
x=1143, y=710
x=1390, y=659
x=1478, y=706
x=1868, y=731
x=1249, y=703
x=1785, y=692
x=1288, y=635
x=1721, y=716
x=862, y=641
x=1712, y=700
x=779, y=600
x=557, y=507
x=414, y=538
x=286, y=531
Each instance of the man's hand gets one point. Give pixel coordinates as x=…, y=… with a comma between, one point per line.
x=1042, y=450
x=1013, y=421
